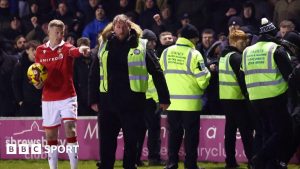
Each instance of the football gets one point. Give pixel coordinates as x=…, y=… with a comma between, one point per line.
x=36, y=73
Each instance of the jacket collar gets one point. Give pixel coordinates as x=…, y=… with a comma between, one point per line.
x=53, y=48
x=184, y=42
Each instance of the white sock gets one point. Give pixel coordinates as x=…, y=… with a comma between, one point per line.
x=52, y=159
x=73, y=155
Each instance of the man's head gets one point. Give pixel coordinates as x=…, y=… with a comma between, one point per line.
x=190, y=32
x=93, y=3
x=286, y=26
x=166, y=38
x=83, y=42
x=4, y=4
x=123, y=3
x=121, y=26
x=20, y=42
x=62, y=8
x=30, y=48
x=15, y=23
x=151, y=37
x=207, y=37
x=267, y=28
x=56, y=31
x=234, y=23
x=248, y=10
x=34, y=8
x=185, y=19
x=238, y=39
x=149, y=4
x=100, y=13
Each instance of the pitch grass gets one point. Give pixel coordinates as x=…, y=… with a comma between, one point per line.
x=43, y=164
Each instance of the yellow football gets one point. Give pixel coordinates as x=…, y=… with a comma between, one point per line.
x=36, y=73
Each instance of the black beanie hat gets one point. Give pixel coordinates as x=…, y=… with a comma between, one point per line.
x=189, y=32
x=148, y=34
x=267, y=27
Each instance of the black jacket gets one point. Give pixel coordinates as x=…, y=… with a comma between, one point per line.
x=23, y=90
x=119, y=96
x=7, y=102
x=82, y=66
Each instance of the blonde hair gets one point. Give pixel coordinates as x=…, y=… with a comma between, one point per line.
x=119, y=18
x=236, y=35
x=56, y=23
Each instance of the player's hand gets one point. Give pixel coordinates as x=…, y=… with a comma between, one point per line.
x=164, y=107
x=95, y=107
x=84, y=50
x=39, y=85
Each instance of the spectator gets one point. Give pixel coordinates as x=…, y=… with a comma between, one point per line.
x=92, y=30
x=284, y=27
x=71, y=38
x=15, y=28
x=26, y=95
x=82, y=67
x=122, y=7
x=62, y=13
x=166, y=39
x=146, y=17
x=287, y=10
x=39, y=32
x=7, y=101
x=27, y=19
x=213, y=104
x=4, y=15
x=207, y=39
x=19, y=46
x=248, y=16
x=165, y=21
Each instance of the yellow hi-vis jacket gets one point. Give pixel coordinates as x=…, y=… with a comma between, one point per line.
x=228, y=84
x=186, y=75
x=262, y=75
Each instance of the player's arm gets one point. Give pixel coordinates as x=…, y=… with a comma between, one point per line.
x=77, y=52
x=37, y=60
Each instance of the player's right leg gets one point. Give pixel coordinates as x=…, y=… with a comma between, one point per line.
x=51, y=122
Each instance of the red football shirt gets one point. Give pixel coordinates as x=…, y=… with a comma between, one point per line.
x=59, y=64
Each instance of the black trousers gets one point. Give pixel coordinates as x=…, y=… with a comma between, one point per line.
x=237, y=117
x=181, y=122
x=277, y=130
x=110, y=124
x=152, y=123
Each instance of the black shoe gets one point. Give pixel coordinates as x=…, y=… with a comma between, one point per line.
x=156, y=162
x=140, y=163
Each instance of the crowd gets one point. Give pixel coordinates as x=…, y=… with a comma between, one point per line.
x=214, y=69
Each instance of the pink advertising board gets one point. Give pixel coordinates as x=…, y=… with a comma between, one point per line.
x=29, y=131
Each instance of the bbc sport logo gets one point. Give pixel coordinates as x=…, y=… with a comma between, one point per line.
x=39, y=149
